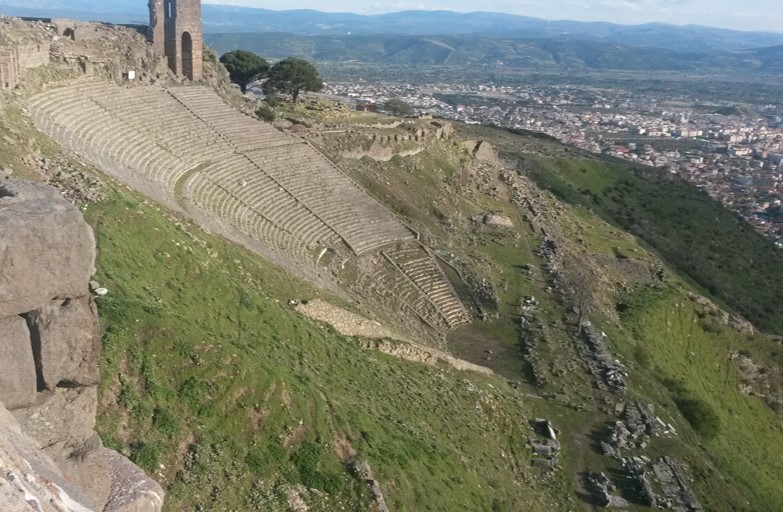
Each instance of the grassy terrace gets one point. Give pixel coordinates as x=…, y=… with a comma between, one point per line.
x=680, y=352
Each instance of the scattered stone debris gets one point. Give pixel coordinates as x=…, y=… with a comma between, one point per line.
x=605, y=491
x=609, y=372
x=664, y=485
x=639, y=426
x=77, y=186
x=764, y=381
x=532, y=334
x=546, y=450
x=364, y=471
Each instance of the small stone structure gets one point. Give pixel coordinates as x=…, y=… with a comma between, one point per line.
x=176, y=31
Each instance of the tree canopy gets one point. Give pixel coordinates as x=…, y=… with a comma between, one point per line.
x=398, y=107
x=293, y=76
x=244, y=67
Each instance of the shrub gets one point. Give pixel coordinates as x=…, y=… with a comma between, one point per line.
x=266, y=113
x=145, y=455
x=642, y=356
x=700, y=415
x=165, y=423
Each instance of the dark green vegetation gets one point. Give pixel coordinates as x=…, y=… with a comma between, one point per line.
x=293, y=76
x=706, y=242
x=244, y=67
x=398, y=107
x=697, y=235
x=266, y=113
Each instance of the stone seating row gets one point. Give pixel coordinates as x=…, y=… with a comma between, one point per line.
x=423, y=270
x=259, y=194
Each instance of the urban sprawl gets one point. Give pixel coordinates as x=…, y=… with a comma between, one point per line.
x=733, y=152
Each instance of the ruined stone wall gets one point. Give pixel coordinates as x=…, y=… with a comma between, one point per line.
x=107, y=51
x=9, y=68
x=49, y=348
x=21, y=47
x=176, y=30
x=76, y=30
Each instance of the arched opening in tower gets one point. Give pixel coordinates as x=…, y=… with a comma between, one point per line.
x=187, y=55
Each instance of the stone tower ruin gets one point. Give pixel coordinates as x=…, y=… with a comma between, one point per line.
x=175, y=31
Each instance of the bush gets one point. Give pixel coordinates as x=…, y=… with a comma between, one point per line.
x=642, y=356
x=266, y=113
x=700, y=415
x=165, y=423
x=146, y=456
x=308, y=461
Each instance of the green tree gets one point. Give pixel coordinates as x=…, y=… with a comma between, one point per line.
x=398, y=107
x=244, y=67
x=293, y=76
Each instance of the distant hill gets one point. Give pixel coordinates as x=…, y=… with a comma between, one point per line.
x=232, y=19
x=462, y=50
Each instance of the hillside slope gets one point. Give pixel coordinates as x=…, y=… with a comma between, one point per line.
x=499, y=52
x=613, y=379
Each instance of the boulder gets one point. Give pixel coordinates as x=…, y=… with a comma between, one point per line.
x=493, y=219
x=61, y=421
x=47, y=249
x=30, y=480
x=89, y=469
x=131, y=489
x=66, y=341
x=484, y=152
x=17, y=376
x=51, y=459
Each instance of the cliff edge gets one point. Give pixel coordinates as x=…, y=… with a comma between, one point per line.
x=50, y=456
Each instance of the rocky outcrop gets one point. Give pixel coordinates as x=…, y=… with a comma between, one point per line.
x=50, y=456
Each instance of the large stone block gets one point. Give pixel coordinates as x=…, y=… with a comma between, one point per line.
x=47, y=250
x=62, y=420
x=28, y=477
x=17, y=367
x=66, y=342
x=132, y=490
x=89, y=469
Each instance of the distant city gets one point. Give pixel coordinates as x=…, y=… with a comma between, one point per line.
x=733, y=152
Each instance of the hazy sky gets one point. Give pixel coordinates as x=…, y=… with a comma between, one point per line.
x=739, y=14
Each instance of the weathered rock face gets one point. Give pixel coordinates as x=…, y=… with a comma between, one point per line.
x=17, y=380
x=50, y=456
x=65, y=337
x=46, y=248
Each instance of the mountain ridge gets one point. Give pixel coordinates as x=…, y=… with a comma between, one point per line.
x=499, y=53
x=224, y=18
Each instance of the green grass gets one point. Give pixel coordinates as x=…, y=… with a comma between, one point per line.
x=731, y=437
x=700, y=238
x=223, y=393
x=213, y=385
